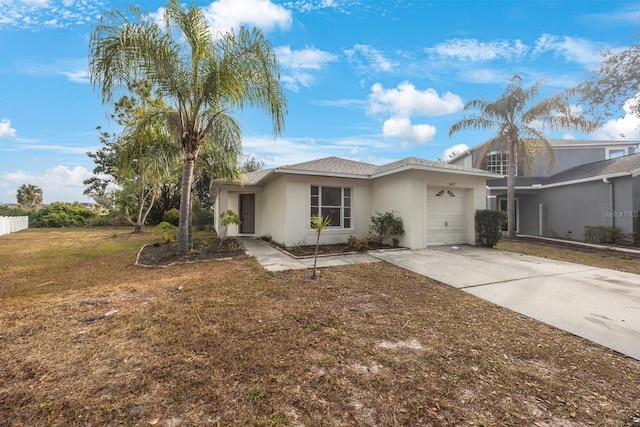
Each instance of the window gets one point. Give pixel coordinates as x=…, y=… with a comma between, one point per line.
x=613, y=153
x=334, y=202
x=498, y=163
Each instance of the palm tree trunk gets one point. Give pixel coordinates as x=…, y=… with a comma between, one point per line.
x=511, y=199
x=185, y=205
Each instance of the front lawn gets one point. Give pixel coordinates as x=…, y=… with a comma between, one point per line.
x=88, y=338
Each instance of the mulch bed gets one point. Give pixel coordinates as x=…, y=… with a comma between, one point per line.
x=203, y=249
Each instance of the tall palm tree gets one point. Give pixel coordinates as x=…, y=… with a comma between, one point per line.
x=29, y=195
x=516, y=120
x=204, y=78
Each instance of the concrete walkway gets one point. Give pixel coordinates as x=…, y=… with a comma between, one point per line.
x=594, y=303
x=273, y=259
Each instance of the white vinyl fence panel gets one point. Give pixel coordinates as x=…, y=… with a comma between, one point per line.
x=11, y=224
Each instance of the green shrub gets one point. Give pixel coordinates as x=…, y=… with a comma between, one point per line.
x=489, y=224
x=172, y=216
x=62, y=214
x=384, y=226
x=358, y=245
x=600, y=234
x=203, y=218
x=168, y=231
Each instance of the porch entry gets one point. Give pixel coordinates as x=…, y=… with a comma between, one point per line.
x=503, y=207
x=247, y=213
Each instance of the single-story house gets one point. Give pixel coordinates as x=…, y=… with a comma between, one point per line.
x=436, y=201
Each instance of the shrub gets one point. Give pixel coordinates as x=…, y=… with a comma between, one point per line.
x=61, y=214
x=168, y=231
x=358, y=245
x=600, y=234
x=203, y=217
x=384, y=226
x=172, y=216
x=489, y=224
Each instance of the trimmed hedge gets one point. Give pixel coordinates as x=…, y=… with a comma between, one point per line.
x=489, y=224
x=600, y=234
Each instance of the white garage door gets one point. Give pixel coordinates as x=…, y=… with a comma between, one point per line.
x=446, y=216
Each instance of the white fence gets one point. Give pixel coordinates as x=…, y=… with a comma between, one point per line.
x=11, y=224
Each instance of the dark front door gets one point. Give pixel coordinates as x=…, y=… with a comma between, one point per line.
x=248, y=213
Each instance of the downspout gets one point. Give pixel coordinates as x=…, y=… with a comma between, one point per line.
x=612, y=201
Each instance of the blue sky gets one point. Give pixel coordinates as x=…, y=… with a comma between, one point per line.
x=367, y=80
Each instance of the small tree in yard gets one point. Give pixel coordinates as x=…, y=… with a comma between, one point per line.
x=227, y=218
x=385, y=226
x=319, y=224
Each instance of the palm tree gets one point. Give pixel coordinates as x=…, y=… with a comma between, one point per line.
x=515, y=121
x=29, y=195
x=203, y=77
x=318, y=223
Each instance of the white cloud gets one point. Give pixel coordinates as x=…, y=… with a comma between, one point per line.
x=78, y=76
x=224, y=15
x=36, y=14
x=368, y=57
x=474, y=50
x=453, y=151
x=405, y=101
x=6, y=131
x=625, y=128
x=308, y=58
x=58, y=184
x=572, y=49
x=402, y=128
x=295, y=65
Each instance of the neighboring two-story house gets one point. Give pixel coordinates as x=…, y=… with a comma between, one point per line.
x=593, y=183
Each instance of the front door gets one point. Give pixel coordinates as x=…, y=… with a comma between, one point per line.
x=247, y=213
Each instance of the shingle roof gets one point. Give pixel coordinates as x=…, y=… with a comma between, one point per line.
x=626, y=164
x=336, y=166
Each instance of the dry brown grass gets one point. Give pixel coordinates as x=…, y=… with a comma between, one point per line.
x=603, y=258
x=226, y=343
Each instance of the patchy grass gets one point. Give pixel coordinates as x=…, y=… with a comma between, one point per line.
x=90, y=339
x=602, y=258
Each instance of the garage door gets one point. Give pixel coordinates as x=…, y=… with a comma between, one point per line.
x=446, y=216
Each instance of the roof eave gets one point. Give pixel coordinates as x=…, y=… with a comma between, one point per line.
x=470, y=172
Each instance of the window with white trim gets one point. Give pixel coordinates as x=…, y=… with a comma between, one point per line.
x=334, y=202
x=498, y=163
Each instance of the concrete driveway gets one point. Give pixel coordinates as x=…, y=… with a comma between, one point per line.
x=597, y=304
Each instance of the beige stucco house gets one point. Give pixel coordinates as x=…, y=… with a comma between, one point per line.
x=436, y=201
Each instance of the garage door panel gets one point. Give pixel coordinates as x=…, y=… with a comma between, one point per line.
x=446, y=216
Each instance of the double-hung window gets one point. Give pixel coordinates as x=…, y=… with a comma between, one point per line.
x=498, y=163
x=332, y=202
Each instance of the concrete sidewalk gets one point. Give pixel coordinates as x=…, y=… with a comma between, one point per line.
x=597, y=304
x=273, y=259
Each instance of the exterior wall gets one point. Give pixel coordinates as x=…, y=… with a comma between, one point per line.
x=621, y=214
x=271, y=210
x=636, y=204
x=567, y=158
x=299, y=210
x=405, y=194
x=568, y=209
x=402, y=195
